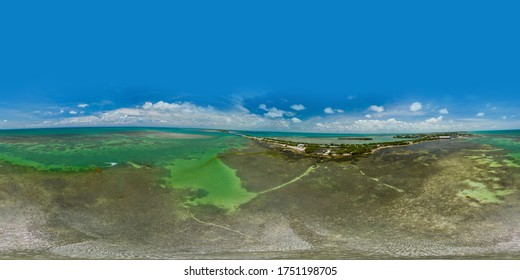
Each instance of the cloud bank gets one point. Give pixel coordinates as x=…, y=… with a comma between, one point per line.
x=187, y=114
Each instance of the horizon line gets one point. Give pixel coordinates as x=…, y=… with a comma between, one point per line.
x=243, y=130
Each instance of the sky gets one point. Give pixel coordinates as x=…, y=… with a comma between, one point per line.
x=316, y=66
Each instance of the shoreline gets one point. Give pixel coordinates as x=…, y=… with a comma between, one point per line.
x=338, y=151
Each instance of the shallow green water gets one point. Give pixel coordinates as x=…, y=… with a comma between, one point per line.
x=509, y=140
x=436, y=199
x=189, y=156
x=499, y=152
x=214, y=182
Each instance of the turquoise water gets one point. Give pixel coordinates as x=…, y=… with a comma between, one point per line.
x=513, y=133
x=509, y=140
x=190, y=156
x=437, y=199
x=85, y=148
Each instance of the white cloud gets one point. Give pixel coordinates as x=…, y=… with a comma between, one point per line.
x=330, y=110
x=147, y=105
x=241, y=107
x=186, y=114
x=181, y=114
x=274, y=112
x=298, y=107
x=238, y=103
x=161, y=105
x=434, y=120
x=480, y=114
x=83, y=105
x=72, y=112
x=491, y=107
x=388, y=125
x=351, y=97
x=444, y=111
x=375, y=108
x=416, y=106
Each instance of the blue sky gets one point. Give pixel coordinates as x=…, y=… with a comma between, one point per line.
x=374, y=66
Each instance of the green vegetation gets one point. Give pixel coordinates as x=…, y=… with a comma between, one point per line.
x=355, y=149
x=312, y=148
x=428, y=136
x=278, y=141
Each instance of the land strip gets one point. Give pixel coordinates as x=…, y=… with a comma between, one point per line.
x=349, y=150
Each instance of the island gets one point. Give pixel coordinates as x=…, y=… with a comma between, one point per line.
x=349, y=150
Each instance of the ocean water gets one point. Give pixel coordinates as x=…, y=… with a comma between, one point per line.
x=126, y=193
x=190, y=156
x=509, y=140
